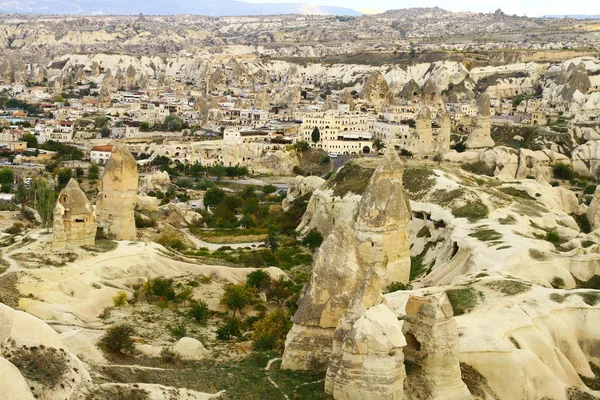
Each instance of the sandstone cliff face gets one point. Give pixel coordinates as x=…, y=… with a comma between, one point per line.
x=117, y=194
x=593, y=211
x=335, y=277
x=302, y=186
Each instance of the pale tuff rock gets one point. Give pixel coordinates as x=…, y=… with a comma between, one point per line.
x=261, y=101
x=578, y=81
x=190, y=349
x=22, y=336
x=335, y=278
x=371, y=365
x=367, y=360
x=432, y=343
x=442, y=144
x=593, y=211
x=481, y=137
x=586, y=158
x=423, y=136
x=154, y=181
x=74, y=222
x=381, y=224
x=376, y=90
x=301, y=187
x=117, y=194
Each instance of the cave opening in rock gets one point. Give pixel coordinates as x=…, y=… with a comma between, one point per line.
x=412, y=346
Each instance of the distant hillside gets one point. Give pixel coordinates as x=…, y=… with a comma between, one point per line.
x=597, y=16
x=166, y=7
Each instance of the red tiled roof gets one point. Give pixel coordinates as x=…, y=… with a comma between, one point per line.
x=107, y=148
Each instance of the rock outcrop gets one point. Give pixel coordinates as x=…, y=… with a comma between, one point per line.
x=367, y=361
x=432, y=343
x=593, y=211
x=376, y=90
x=25, y=339
x=381, y=224
x=481, y=137
x=190, y=349
x=301, y=187
x=74, y=221
x=335, y=277
x=117, y=195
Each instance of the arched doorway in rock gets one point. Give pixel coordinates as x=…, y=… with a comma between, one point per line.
x=412, y=346
x=366, y=150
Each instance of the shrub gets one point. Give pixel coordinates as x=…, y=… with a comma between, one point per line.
x=473, y=211
x=583, y=222
x=312, y=240
x=590, y=189
x=120, y=299
x=28, y=214
x=557, y=298
x=178, y=331
x=553, y=237
x=397, y=286
x=509, y=287
x=200, y=312
x=15, y=229
x=161, y=287
x=479, y=168
x=557, y=282
x=168, y=355
x=270, y=332
x=119, y=339
x=563, y=171
x=172, y=240
x=231, y=328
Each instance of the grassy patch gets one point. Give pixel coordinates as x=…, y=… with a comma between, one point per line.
x=353, y=177
x=592, y=383
x=45, y=366
x=509, y=288
x=592, y=283
x=486, y=235
x=557, y=298
x=511, y=191
x=509, y=220
x=244, y=379
x=445, y=197
x=537, y=255
x=590, y=298
x=479, y=168
x=473, y=211
x=418, y=180
x=102, y=246
x=463, y=299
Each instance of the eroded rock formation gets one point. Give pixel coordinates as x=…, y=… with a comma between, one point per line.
x=481, y=137
x=336, y=276
x=74, y=220
x=383, y=215
x=432, y=343
x=117, y=195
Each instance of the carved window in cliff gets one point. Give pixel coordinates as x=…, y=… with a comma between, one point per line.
x=79, y=220
x=63, y=199
x=412, y=346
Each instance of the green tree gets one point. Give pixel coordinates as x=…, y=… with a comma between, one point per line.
x=315, y=135
x=93, y=172
x=258, y=279
x=270, y=332
x=104, y=132
x=268, y=189
x=271, y=242
x=213, y=196
x=302, y=146
x=313, y=239
x=31, y=140
x=21, y=194
x=236, y=297
x=173, y=123
x=144, y=126
x=119, y=339
x=563, y=171
x=63, y=176
x=378, y=144
x=44, y=201
x=251, y=205
x=7, y=176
